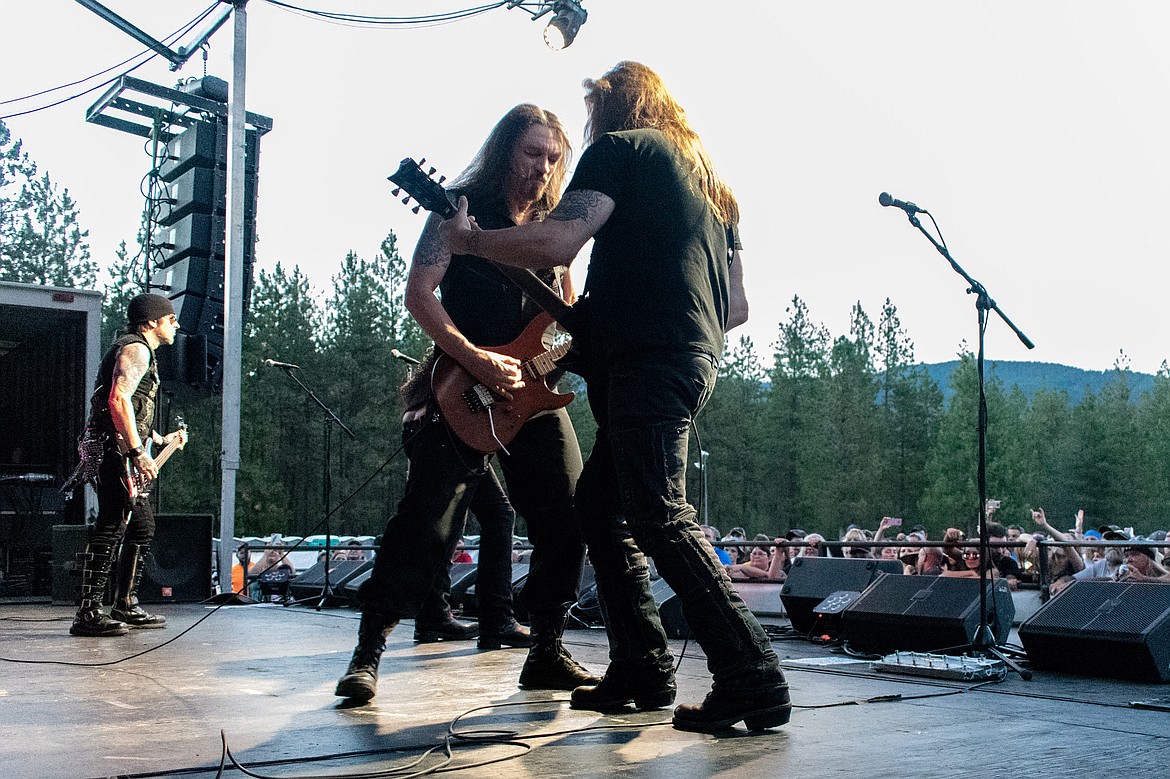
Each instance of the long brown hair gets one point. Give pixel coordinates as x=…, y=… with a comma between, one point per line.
x=485, y=178
x=631, y=96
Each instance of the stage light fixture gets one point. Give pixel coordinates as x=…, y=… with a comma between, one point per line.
x=568, y=16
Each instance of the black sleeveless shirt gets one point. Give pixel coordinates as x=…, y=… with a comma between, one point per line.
x=484, y=304
x=143, y=399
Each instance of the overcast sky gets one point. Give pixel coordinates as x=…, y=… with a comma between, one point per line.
x=1035, y=133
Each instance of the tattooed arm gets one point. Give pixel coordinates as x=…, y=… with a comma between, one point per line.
x=427, y=268
x=131, y=365
x=577, y=218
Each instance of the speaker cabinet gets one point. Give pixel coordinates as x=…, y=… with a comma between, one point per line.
x=350, y=588
x=1114, y=629
x=925, y=614
x=311, y=583
x=463, y=578
x=670, y=609
x=812, y=579
x=68, y=542
x=178, y=567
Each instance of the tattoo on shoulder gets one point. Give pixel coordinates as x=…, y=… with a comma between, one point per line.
x=429, y=251
x=133, y=361
x=578, y=204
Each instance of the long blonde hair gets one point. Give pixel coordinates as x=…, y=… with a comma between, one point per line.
x=631, y=96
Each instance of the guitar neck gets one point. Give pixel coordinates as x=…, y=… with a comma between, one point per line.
x=543, y=294
x=544, y=364
x=165, y=454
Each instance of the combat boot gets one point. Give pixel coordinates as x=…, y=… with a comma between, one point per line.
x=95, y=564
x=126, y=608
x=360, y=682
x=549, y=665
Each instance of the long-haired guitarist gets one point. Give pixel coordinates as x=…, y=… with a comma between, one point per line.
x=120, y=422
x=516, y=178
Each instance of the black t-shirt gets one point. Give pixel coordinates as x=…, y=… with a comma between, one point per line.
x=659, y=274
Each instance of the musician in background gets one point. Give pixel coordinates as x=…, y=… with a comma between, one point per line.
x=516, y=178
x=121, y=417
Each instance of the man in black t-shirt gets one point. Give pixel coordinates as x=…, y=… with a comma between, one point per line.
x=664, y=286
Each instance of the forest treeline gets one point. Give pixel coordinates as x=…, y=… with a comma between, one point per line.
x=819, y=432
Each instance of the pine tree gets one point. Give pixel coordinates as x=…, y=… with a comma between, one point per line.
x=41, y=238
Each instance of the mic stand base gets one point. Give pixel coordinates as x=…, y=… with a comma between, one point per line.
x=985, y=645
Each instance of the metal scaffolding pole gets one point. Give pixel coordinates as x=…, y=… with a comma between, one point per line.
x=233, y=314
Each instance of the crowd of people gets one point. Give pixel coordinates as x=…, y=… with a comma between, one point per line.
x=1035, y=554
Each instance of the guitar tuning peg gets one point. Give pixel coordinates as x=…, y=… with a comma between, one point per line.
x=406, y=200
x=395, y=192
x=431, y=172
x=422, y=162
x=442, y=179
x=415, y=209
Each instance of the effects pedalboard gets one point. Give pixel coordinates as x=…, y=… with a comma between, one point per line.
x=962, y=669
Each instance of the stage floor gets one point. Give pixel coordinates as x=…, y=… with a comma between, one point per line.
x=264, y=676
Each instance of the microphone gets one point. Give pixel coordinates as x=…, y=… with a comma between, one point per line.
x=278, y=364
x=406, y=358
x=30, y=478
x=886, y=199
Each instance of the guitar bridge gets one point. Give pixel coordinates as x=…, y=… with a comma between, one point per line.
x=479, y=398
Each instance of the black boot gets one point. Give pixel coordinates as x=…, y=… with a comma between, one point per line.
x=360, y=682
x=126, y=608
x=549, y=665
x=496, y=635
x=644, y=684
x=759, y=707
x=95, y=564
x=449, y=629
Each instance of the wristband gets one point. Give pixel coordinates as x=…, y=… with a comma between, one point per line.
x=135, y=453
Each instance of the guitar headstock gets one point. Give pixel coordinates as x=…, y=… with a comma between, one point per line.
x=420, y=185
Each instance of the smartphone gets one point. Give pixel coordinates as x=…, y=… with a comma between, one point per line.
x=895, y=521
x=993, y=504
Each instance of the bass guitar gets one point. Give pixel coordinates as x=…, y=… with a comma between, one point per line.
x=138, y=483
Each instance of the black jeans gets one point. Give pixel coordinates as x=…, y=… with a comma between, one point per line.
x=631, y=499
x=541, y=471
x=118, y=516
x=493, y=582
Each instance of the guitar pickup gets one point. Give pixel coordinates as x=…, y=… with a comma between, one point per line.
x=479, y=398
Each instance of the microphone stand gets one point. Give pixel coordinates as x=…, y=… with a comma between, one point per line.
x=329, y=420
x=985, y=640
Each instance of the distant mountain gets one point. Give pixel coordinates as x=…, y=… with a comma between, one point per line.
x=1033, y=376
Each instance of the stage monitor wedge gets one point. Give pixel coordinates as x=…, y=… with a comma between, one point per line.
x=812, y=579
x=937, y=614
x=1099, y=628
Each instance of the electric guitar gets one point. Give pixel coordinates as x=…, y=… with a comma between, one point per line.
x=477, y=416
x=485, y=421
x=138, y=483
